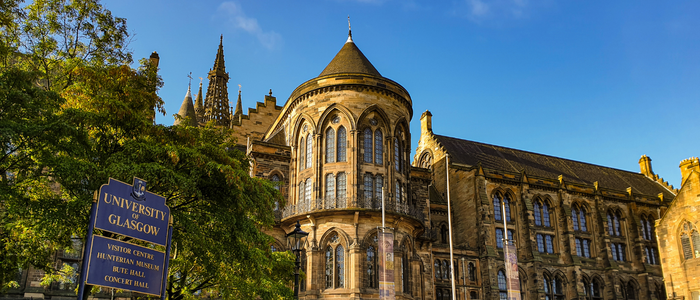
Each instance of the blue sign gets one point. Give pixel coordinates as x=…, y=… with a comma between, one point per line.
x=116, y=264
x=132, y=211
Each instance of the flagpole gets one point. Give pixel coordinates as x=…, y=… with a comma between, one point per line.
x=449, y=226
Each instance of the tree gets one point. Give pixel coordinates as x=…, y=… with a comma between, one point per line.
x=220, y=212
x=74, y=114
x=54, y=37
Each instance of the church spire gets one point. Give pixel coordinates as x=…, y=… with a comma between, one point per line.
x=199, y=104
x=239, y=107
x=216, y=103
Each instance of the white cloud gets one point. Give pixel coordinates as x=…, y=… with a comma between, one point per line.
x=235, y=16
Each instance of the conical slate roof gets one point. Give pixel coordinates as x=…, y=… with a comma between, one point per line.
x=187, y=110
x=350, y=60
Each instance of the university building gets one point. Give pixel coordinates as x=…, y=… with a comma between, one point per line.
x=342, y=139
x=341, y=143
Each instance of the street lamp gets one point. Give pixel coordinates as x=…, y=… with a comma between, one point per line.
x=296, y=240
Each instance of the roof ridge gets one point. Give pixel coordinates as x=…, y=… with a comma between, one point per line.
x=535, y=153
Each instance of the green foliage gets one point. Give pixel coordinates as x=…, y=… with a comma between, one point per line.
x=73, y=114
x=54, y=37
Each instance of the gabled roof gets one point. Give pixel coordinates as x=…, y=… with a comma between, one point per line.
x=350, y=60
x=512, y=160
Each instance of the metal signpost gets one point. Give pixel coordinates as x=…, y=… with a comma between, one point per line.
x=133, y=212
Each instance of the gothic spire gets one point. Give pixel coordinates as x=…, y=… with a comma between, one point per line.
x=199, y=104
x=216, y=103
x=239, y=108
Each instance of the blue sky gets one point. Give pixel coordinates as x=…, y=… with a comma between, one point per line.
x=598, y=82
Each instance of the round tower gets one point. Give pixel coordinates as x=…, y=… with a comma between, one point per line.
x=348, y=130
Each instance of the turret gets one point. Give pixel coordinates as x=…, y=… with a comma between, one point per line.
x=426, y=123
x=187, y=115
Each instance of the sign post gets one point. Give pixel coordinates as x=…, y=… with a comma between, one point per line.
x=132, y=212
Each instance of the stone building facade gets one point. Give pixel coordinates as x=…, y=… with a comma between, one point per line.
x=678, y=236
x=341, y=143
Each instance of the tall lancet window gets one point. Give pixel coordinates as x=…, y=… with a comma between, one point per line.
x=342, y=144
x=378, y=147
x=302, y=154
x=397, y=162
x=368, y=145
x=330, y=145
x=309, y=150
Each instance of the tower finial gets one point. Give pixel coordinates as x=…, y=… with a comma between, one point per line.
x=349, y=31
x=239, y=88
x=190, y=77
x=221, y=39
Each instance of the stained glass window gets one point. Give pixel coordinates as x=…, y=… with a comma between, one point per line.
x=309, y=150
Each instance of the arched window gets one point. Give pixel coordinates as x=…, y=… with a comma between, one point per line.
x=335, y=263
x=405, y=273
x=330, y=145
x=330, y=186
x=443, y=234
x=614, y=228
x=309, y=150
x=275, y=181
x=342, y=144
x=578, y=215
x=329, y=267
x=397, y=162
x=542, y=213
x=372, y=279
x=473, y=295
x=302, y=191
x=506, y=200
x=650, y=229
x=631, y=291
x=339, y=267
x=399, y=195
x=596, y=290
x=368, y=187
x=497, y=207
x=471, y=269
x=341, y=187
x=378, y=185
x=426, y=160
x=307, y=192
x=378, y=147
x=437, y=267
x=690, y=241
x=502, y=287
x=558, y=288
x=302, y=154
x=368, y=145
